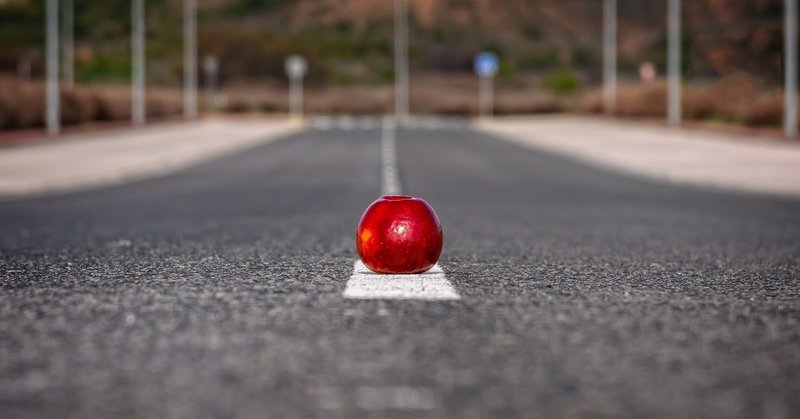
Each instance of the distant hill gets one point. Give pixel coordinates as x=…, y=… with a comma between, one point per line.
x=350, y=41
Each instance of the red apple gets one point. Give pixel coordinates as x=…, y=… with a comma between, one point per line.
x=399, y=234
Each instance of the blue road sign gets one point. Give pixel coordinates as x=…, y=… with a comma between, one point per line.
x=486, y=64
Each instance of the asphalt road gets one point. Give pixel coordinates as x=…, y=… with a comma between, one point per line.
x=217, y=292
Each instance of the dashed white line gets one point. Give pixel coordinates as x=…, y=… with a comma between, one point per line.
x=365, y=284
x=395, y=398
x=376, y=398
x=430, y=285
x=390, y=178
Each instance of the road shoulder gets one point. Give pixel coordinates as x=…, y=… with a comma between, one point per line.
x=695, y=157
x=109, y=158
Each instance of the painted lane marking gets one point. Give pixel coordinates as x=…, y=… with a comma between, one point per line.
x=395, y=398
x=376, y=398
x=390, y=177
x=431, y=285
x=364, y=284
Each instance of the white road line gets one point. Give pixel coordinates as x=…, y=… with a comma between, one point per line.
x=365, y=284
x=430, y=285
x=390, y=178
x=395, y=398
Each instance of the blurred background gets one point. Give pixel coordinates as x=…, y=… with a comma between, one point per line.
x=550, y=55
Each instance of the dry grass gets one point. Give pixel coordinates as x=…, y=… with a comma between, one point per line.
x=735, y=99
x=22, y=103
x=443, y=95
x=764, y=111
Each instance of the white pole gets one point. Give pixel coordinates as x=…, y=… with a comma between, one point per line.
x=211, y=67
x=486, y=96
x=292, y=99
x=300, y=97
x=790, y=68
x=296, y=97
x=68, y=26
x=401, y=107
x=189, y=60
x=138, y=114
x=674, y=62
x=610, y=55
x=52, y=111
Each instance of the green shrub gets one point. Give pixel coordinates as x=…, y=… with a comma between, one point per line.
x=538, y=60
x=244, y=7
x=507, y=70
x=104, y=67
x=562, y=81
x=582, y=57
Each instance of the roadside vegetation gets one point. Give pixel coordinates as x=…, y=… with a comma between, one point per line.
x=550, y=57
x=22, y=104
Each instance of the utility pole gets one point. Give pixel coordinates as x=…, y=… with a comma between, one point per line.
x=401, y=89
x=296, y=97
x=211, y=69
x=674, y=62
x=189, y=59
x=610, y=55
x=486, y=97
x=138, y=114
x=486, y=65
x=790, y=68
x=296, y=68
x=52, y=111
x=68, y=37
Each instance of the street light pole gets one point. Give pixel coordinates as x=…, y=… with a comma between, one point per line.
x=52, y=111
x=189, y=59
x=296, y=97
x=401, y=88
x=674, y=62
x=296, y=68
x=790, y=68
x=211, y=69
x=486, y=96
x=610, y=55
x=68, y=27
x=486, y=65
x=138, y=60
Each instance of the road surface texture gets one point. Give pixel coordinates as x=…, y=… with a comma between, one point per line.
x=217, y=292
